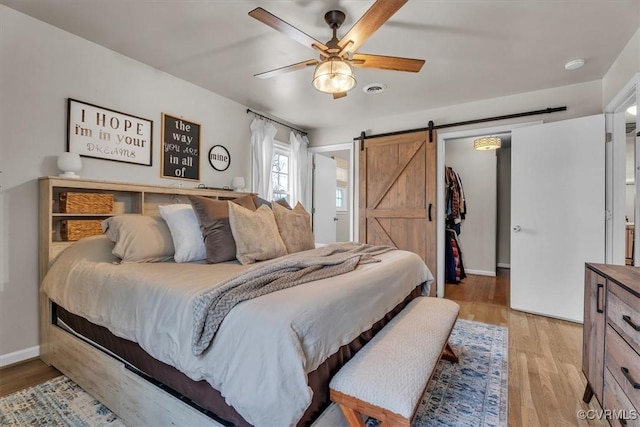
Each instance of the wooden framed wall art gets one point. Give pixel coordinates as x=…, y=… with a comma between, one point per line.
x=180, y=148
x=102, y=133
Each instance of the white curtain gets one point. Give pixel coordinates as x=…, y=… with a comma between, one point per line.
x=300, y=155
x=262, y=134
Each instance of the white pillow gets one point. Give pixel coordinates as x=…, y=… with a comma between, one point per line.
x=185, y=232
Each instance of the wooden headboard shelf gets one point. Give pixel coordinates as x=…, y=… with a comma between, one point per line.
x=128, y=198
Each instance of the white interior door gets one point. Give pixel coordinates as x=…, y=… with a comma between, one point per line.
x=324, y=198
x=557, y=214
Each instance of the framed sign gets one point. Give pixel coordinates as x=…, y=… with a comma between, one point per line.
x=219, y=158
x=180, y=148
x=102, y=133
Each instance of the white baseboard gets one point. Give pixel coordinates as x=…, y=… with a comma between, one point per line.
x=19, y=356
x=501, y=265
x=480, y=272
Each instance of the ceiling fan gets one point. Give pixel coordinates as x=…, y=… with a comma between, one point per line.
x=334, y=73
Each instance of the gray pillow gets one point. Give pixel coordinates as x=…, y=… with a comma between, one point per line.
x=139, y=238
x=213, y=216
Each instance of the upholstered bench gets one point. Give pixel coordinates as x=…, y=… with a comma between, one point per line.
x=387, y=378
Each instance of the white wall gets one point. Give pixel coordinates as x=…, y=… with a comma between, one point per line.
x=583, y=99
x=477, y=171
x=41, y=66
x=623, y=69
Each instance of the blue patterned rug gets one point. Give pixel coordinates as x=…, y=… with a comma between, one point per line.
x=474, y=392
x=58, y=402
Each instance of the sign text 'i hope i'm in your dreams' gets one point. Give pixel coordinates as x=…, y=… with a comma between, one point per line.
x=180, y=148
x=102, y=133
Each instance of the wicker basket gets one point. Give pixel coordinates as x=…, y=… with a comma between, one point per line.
x=86, y=203
x=76, y=229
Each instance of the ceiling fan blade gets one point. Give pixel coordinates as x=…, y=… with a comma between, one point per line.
x=372, y=19
x=395, y=63
x=287, y=29
x=286, y=69
x=339, y=95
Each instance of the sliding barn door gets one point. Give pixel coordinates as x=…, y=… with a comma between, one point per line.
x=398, y=194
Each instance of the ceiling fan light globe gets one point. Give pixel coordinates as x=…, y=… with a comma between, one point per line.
x=334, y=76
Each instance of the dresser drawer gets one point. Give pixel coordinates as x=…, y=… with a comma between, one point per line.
x=618, y=409
x=624, y=364
x=623, y=313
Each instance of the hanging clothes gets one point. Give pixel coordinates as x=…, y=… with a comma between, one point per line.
x=456, y=211
x=454, y=266
x=455, y=201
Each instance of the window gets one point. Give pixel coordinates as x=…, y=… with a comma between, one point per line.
x=342, y=182
x=281, y=173
x=340, y=198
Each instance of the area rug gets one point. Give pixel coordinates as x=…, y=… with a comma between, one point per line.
x=58, y=402
x=472, y=393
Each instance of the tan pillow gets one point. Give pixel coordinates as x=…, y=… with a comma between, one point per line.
x=213, y=216
x=294, y=227
x=256, y=234
x=139, y=238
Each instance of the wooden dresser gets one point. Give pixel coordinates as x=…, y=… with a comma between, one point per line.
x=611, y=341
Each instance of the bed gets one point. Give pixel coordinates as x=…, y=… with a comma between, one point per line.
x=124, y=333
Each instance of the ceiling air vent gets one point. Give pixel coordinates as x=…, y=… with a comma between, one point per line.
x=374, y=88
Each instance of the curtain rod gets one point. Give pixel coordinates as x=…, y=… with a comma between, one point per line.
x=275, y=121
x=432, y=127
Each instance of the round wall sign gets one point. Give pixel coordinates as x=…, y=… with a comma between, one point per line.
x=219, y=158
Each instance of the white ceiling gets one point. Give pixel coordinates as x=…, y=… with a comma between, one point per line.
x=474, y=49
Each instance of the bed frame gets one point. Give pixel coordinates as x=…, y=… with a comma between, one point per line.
x=133, y=398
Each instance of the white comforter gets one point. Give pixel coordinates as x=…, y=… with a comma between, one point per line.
x=264, y=348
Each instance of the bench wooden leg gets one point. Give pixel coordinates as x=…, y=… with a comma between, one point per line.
x=353, y=417
x=448, y=354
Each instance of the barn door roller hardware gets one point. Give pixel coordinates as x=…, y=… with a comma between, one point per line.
x=432, y=127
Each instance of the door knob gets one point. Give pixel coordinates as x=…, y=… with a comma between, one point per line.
x=517, y=229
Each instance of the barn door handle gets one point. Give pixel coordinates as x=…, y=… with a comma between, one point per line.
x=630, y=322
x=430, y=206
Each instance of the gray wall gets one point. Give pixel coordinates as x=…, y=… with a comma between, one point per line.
x=504, y=207
x=42, y=66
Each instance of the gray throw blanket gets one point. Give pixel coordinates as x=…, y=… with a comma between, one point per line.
x=211, y=307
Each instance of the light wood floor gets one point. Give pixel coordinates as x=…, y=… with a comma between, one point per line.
x=545, y=377
x=546, y=383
